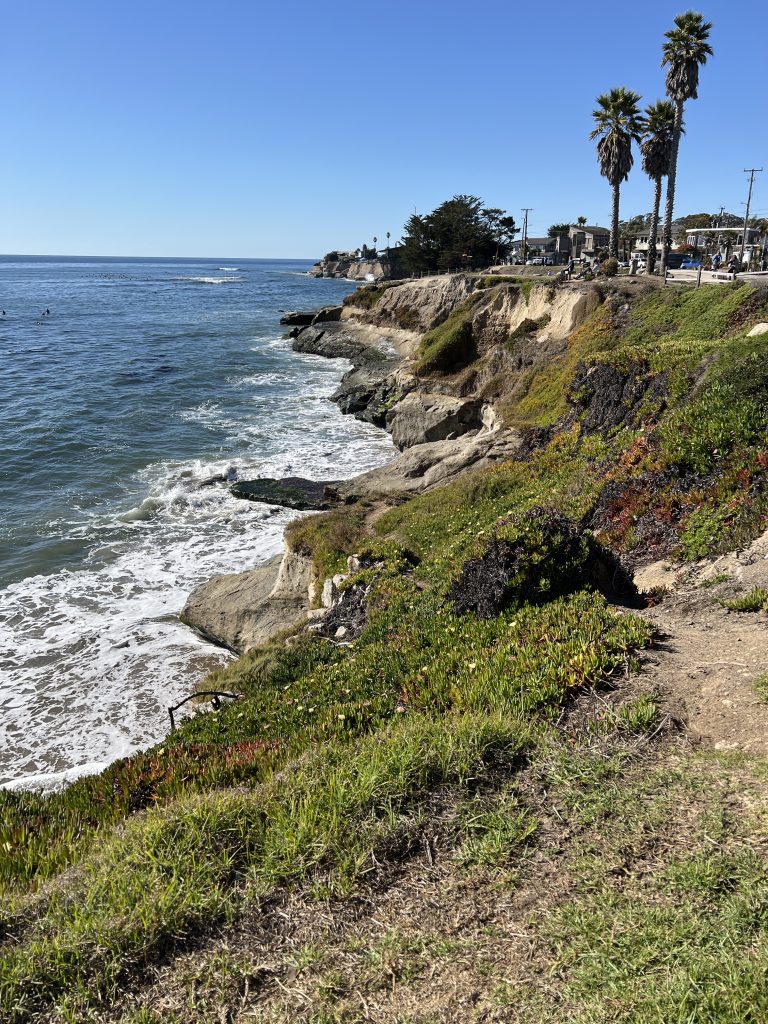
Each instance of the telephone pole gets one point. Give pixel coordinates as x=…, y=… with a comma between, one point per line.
x=525, y=210
x=751, y=171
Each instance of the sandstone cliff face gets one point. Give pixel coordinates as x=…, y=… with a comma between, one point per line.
x=416, y=306
x=356, y=270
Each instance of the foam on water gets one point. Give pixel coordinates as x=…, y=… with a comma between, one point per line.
x=92, y=654
x=211, y=280
x=97, y=655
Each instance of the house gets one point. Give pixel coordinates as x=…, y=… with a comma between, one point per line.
x=586, y=239
x=546, y=246
x=724, y=240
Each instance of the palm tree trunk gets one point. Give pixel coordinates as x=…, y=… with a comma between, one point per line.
x=669, y=207
x=613, y=248
x=654, y=227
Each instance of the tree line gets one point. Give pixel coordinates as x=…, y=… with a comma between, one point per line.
x=619, y=122
x=460, y=234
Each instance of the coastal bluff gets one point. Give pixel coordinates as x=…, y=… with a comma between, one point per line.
x=352, y=268
x=443, y=424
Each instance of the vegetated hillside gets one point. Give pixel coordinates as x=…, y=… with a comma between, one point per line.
x=467, y=805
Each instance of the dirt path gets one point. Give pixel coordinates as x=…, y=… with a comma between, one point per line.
x=706, y=659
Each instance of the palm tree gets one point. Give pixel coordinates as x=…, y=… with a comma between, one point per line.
x=684, y=52
x=656, y=148
x=617, y=122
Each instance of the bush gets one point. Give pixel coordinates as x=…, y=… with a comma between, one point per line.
x=756, y=600
x=535, y=557
x=450, y=346
x=705, y=431
x=610, y=268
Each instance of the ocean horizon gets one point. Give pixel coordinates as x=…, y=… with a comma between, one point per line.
x=131, y=386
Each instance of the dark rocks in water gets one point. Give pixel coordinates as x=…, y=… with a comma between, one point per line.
x=324, y=341
x=543, y=555
x=298, y=319
x=289, y=492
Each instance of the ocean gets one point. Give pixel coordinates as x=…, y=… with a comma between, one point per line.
x=127, y=385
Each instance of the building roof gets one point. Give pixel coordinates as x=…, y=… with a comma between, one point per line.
x=720, y=231
x=591, y=229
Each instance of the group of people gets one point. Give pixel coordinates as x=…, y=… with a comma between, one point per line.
x=732, y=265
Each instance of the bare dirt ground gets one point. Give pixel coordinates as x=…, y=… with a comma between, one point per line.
x=706, y=658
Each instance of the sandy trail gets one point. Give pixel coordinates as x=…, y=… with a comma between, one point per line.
x=706, y=659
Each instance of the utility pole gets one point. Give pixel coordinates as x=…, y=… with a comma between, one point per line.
x=525, y=211
x=751, y=171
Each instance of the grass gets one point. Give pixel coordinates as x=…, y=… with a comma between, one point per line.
x=755, y=600
x=694, y=922
x=195, y=862
x=663, y=880
x=715, y=581
x=760, y=686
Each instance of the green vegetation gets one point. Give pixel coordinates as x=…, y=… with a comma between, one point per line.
x=527, y=327
x=513, y=747
x=460, y=234
x=367, y=295
x=755, y=600
x=449, y=346
x=715, y=581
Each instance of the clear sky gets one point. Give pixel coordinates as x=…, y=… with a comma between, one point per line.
x=266, y=128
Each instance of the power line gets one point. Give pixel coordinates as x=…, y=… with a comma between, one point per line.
x=525, y=210
x=751, y=171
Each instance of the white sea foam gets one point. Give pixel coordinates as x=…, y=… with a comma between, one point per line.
x=231, y=269
x=93, y=658
x=210, y=280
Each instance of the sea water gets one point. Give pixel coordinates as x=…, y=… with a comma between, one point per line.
x=127, y=386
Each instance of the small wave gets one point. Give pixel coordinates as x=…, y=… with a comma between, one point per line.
x=230, y=269
x=209, y=280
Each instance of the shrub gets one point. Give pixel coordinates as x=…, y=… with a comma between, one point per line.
x=755, y=600
x=367, y=296
x=610, y=268
x=710, y=427
x=450, y=346
x=534, y=557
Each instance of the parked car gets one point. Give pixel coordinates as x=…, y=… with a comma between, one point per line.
x=690, y=264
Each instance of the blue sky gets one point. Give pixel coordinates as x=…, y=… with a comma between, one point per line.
x=286, y=129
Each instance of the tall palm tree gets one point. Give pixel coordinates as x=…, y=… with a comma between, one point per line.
x=656, y=148
x=617, y=122
x=685, y=51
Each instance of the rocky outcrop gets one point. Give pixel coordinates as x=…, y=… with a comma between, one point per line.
x=415, y=306
x=288, y=492
x=426, y=466
x=298, y=319
x=237, y=611
x=348, y=267
x=327, y=315
x=370, y=389
x=244, y=609
x=328, y=342
x=420, y=418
